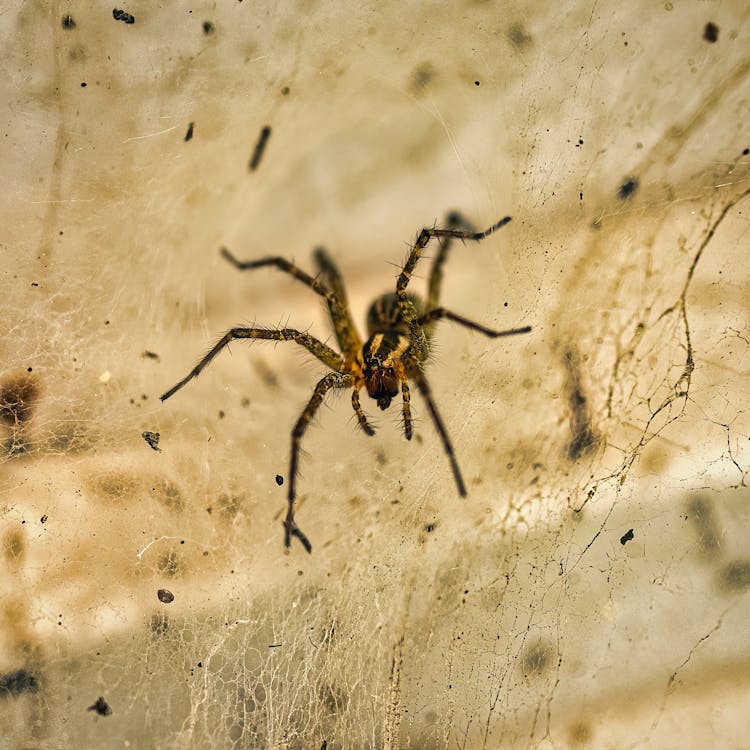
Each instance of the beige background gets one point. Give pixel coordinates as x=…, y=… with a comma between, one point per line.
x=513, y=618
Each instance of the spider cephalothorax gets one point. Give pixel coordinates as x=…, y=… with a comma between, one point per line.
x=399, y=327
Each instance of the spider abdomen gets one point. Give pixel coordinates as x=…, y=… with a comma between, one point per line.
x=386, y=316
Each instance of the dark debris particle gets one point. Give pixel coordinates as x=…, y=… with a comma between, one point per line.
x=430, y=527
x=208, y=28
x=189, y=134
x=165, y=596
x=101, y=707
x=149, y=355
x=279, y=480
x=260, y=147
x=18, y=682
x=121, y=15
x=627, y=536
x=83, y=84
x=68, y=22
x=152, y=438
x=285, y=91
x=711, y=32
x=627, y=188
x=43, y=519
x=745, y=151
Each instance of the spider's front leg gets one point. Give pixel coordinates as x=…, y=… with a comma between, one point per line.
x=331, y=380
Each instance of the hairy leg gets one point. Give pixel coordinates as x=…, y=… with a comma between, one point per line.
x=331, y=380
x=336, y=308
x=454, y=221
x=424, y=237
x=406, y=399
x=440, y=312
x=343, y=325
x=424, y=389
x=361, y=416
x=324, y=353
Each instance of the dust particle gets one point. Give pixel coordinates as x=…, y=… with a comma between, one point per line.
x=711, y=32
x=101, y=707
x=152, y=438
x=279, y=480
x=68, y=22
x=208, y=28
x=121, y=15
x=626, y=537
x=627, y=188
x=165, y=596
x=189, y=134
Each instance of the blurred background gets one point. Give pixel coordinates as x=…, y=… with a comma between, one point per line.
x=591, y=590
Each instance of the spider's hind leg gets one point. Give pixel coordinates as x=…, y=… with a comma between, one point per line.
x=455, y=220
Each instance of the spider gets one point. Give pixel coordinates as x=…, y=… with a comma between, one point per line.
x=399, y=327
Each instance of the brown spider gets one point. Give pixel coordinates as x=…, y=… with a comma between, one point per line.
x=399, y=327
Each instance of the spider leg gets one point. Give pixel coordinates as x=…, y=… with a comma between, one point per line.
x=331, y=380
x=348, y=340
x=440, y=312
x=324, y=353
x=455, y=221
x=406, y=397
x=361, y=416
x=424, y=237
x=424, y=389
x=343, y=325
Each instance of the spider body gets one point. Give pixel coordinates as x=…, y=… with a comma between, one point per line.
x=399, y=326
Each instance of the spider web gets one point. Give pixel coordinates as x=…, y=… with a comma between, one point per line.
x=590, y=591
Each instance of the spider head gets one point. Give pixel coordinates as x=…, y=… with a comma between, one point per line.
x=381, y=383
x=380, y=368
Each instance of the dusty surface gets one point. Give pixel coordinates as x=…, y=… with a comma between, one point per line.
x=592, y=588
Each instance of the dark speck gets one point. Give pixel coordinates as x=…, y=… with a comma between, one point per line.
x=83, y=84
x=627, y=536
x=101, y=707
x=152, y=438
x=746, y=151
x=260, y=147
x=711, y=32
x=279, y=480
x=628, y=188
x=430, y=527
x=68, y=22
x=189, y=134
x=15, y=683
x=165, y=596
x=208, y=28
x=476, y=83
x=43, y=519
x=121, y=15
x=285, y=91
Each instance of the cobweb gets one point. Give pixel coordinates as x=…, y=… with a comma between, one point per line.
x=591, y=590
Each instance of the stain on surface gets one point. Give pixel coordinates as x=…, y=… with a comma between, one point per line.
x=18, y=682
x=584, y=439
x=19, y=395
x=701, y=513
x=734, y=577
x=518, y=36
x=101, y=707
x=14, y=545
x=421, y=78
x=627, y=188
x=536, y=660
